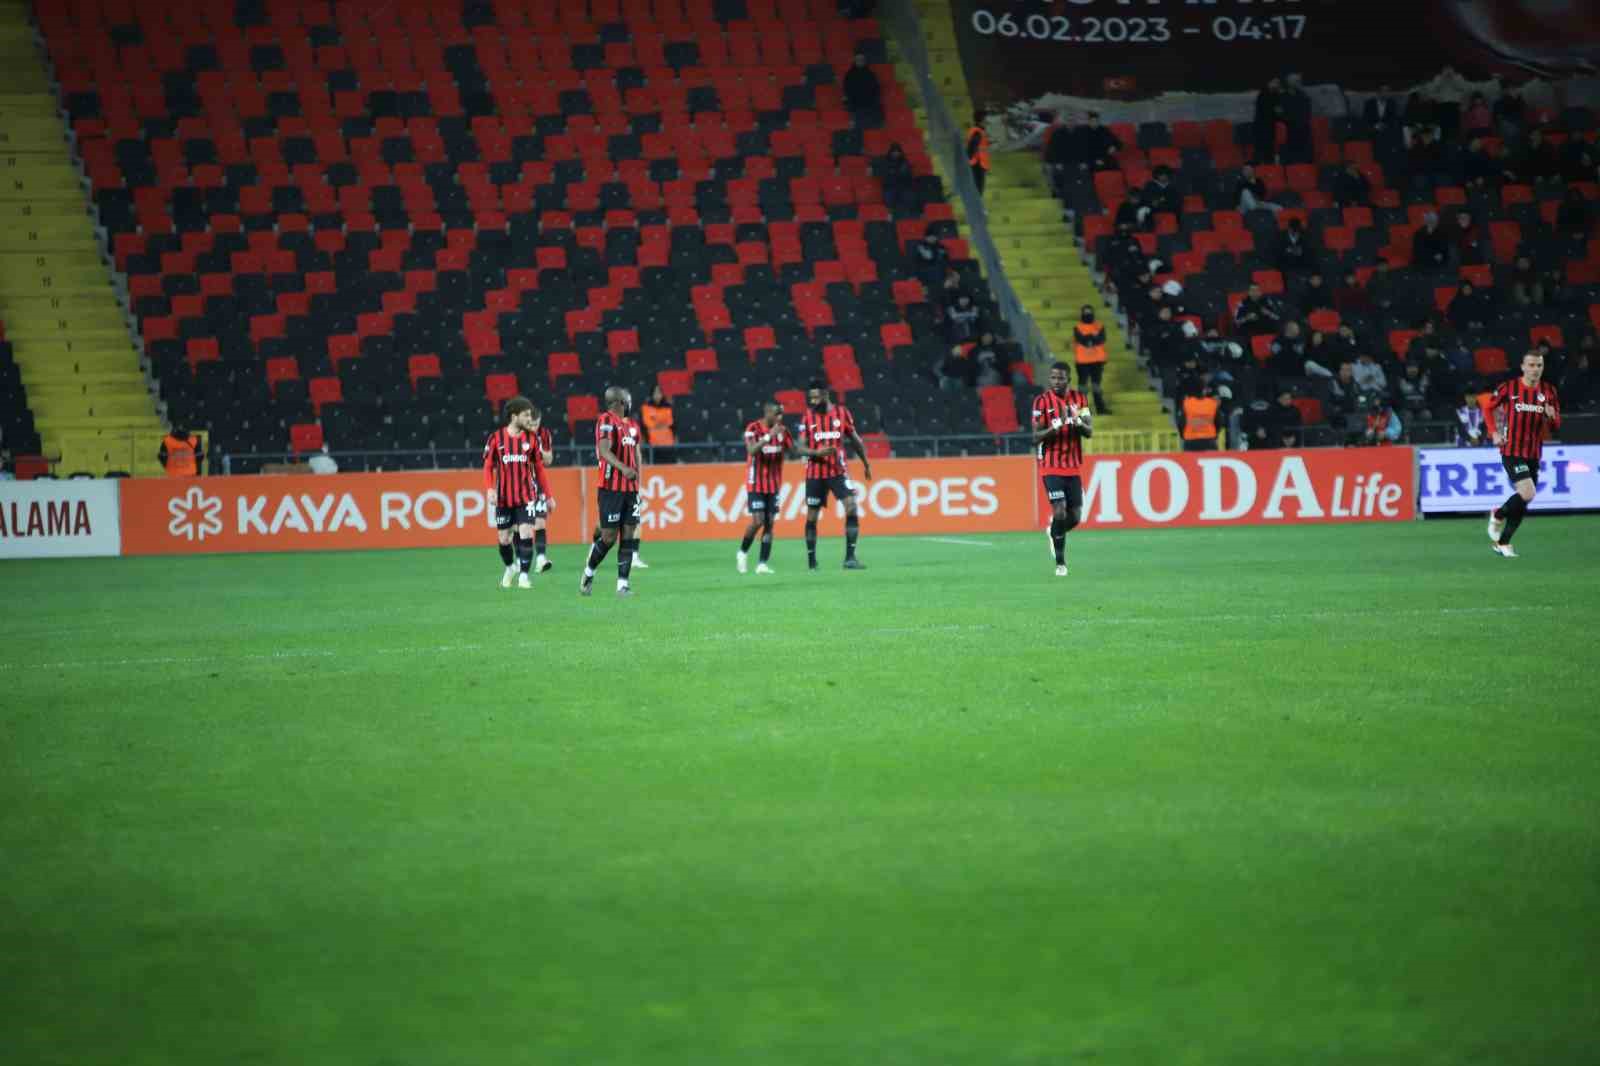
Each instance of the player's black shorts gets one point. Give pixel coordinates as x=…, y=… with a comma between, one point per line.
x=763, y=503
x=817, y=489
x=1064, y=487
x=618, y=509
x=1520, y=469
x=521, y=515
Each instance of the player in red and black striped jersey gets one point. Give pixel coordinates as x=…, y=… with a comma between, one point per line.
x=825, y=431
x=513, y=478
x=1532, y=412
x=767, y=442
x=1061, y=423
x=616, y=444
x=547, y=503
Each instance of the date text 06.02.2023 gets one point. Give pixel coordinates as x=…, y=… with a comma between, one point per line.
x=1135, y=30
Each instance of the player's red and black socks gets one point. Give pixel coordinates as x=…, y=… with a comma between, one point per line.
x=626, y=547
x=811, y=542
x=766, y=545
x=852, y=533
x=1515, y=508
x=1058, y=539
x=524, y=551
x=506, y=554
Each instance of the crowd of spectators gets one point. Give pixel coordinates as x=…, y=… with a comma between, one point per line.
x=1314, y=347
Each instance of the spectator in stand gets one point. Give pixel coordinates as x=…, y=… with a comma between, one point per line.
x=1527, y=283
x=1351, y=188
x=1295, y=253
x=1469, y=420
x=1539, y=161
x=1264, y=123
x=1278, y=426
x=1351, y=296
x=1343, y=343
x=989, y=363
x=1368, y=375
x=1577, y=380
x=1085, y=149
x=1470, y=310
x=1125, y=261
x=1411, y=391
x=1430, y=246
x=955, y=370
x=1321, y=357
x=1288, y=353
x=1478, y=120
x=962, y=320
x=899, y=183
x=929, y=258
x=1296, y=104
x=1164, y=339
x=1424, y=158
x=1341, y=397
x=1383, y=287
x=862, y=93
x=950, y=289
x=1311, y=293
x=1510, y=113
x=1382, y=113
x=1134, y=213
x=1419, y=115
x=1162, y=195
x=1252, y=193
x=1468, y=239
x=1572, y=218
x=1479, y=167
x=1257, y=313
x=1383, y=425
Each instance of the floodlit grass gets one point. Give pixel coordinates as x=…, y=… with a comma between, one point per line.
x=1226, y=796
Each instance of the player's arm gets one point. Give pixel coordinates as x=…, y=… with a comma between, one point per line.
x=610, y=457
x=1044, y=427
x=1487, y=404
x=539, y=479
x=859, y=446
x=488, y=473
x=752, y=444
x=1552, y=410
x=1085, y=423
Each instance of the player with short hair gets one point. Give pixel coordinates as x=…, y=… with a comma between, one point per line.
x=547, y=503
x=1532, y=413
x=826, y=429
x=767, y=442
x=514, y=481
x=1061, y=423
x=616, y=445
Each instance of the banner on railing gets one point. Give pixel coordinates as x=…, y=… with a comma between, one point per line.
x=700, y=502
x=1455, y=480
x=40, y=519
x=433, y=509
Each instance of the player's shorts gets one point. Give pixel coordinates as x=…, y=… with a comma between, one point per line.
x=618, y=509
x=1520, y=469
x=763, y=503
x=1068, y=487
x=818, y=488
x=521, y=515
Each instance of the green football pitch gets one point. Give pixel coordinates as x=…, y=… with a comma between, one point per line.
x=1317, y=795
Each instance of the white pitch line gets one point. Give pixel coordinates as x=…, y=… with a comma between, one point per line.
x=957, y=540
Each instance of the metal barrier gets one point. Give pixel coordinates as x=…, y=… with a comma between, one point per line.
x=946, y=141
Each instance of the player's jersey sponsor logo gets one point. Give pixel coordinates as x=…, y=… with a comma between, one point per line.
x=1530, y=408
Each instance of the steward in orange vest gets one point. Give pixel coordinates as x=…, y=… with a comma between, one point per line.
x=656, y=414
x=1200, y=422
x=978, y=150
x=1089, y=352
x=181, y=454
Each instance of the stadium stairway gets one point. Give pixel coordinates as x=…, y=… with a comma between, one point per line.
x=88, y=396
x=1049, y=275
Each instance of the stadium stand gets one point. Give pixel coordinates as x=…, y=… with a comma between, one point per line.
x=365, y=231
x=1526, y=244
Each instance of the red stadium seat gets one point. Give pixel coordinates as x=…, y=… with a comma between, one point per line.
x=305, y=437
x=793, y=401
x=1323, y=320
x=325, y=390
x=1490, y=361
x=1548, y=333
x=582, y=409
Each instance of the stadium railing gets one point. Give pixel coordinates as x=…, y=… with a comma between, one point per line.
x=945, y=140
x=730, y=451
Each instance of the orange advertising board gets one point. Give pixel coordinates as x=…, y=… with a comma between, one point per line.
x=305, y=512
x=703, y=502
